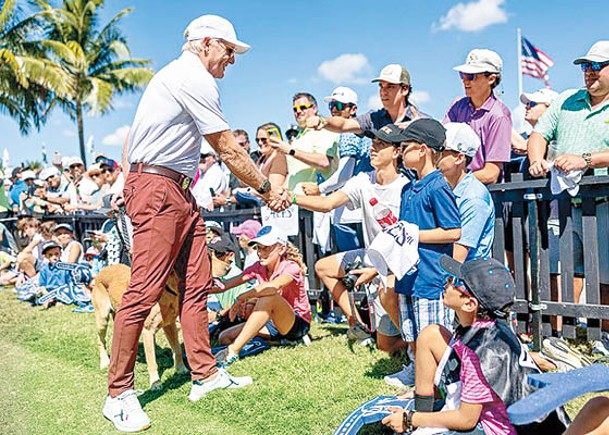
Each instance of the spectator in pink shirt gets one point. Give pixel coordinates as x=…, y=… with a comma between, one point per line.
x=485, y=113
x=279, y=303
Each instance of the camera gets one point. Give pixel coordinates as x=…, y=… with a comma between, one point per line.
x=350, y=279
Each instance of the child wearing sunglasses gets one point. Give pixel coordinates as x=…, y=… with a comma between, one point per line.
x=480, y=369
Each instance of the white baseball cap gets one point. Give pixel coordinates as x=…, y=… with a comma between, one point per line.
x=214, y=26
x=73, y=161
x=481, y=60
x=269, y=236
x=543, y=95
x=29, y=174
x=394, y=73
x=342, y=94
x=47, y=173
x=599, y=52
x=462, y=138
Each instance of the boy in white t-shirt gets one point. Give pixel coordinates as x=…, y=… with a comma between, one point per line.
x=385, y=184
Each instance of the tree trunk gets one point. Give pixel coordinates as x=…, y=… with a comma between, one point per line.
x=81, y=133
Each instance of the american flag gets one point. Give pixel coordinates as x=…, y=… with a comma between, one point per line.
x=535, y=63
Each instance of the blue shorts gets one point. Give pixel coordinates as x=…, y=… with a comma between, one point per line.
x=416, y=313
x=300, y=328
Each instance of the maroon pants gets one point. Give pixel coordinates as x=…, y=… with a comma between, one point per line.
x=168, y=231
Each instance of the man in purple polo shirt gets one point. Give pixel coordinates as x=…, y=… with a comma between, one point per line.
x=484, y=113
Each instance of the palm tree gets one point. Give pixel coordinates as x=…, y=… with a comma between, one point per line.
x=28, y=79
x=97, y=61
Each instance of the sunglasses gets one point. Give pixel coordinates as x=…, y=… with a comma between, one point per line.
x=261, y=140
x=338, y=105
x=107, y=171
x=532, y=104
x=302, y=107
x=230, y=52
x=77, y=166
x=470, y=76
x=458, y=285
x=594, y=66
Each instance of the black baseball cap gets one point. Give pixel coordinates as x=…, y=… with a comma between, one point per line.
x=50, y=245
x=427, y=131
x=486, y=279
x=390, y=133
x=222, y=245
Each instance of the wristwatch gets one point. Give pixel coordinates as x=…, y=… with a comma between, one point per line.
x=264, y=187
x=587, y=158
x=292, y=152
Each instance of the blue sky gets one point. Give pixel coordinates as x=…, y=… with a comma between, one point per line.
x=291, y=40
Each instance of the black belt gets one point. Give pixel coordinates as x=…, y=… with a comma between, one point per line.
x=182, y=180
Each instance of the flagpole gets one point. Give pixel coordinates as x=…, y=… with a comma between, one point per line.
x=519, y=42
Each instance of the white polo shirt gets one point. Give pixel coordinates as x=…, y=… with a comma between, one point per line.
x=180, y=104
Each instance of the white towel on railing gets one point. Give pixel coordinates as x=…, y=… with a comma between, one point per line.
x=565, y=181
x=395, y=250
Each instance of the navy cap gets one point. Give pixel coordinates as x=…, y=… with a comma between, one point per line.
x=486, y=279
x=222, y=245
x=390, y=133
x=427, y=131
x=50, y=245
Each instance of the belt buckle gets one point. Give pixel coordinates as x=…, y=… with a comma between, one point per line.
x=185, y=183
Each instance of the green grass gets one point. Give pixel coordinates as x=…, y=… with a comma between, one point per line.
x=50, y=382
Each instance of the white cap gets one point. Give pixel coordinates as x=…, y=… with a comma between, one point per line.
x=73, y=161
x=599, y=52
x=480, y=60
x=47, y=173
x=269, y=236
x=543, y=95
x=342, y=94
x=214, y=27
x=462, y=138
x=394, y=73
x=29, y=174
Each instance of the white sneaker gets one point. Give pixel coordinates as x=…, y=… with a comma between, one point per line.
x=403, y=378
x=126, y=413
x=221, y=380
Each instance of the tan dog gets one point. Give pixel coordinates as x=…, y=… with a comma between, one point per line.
x=108, y=289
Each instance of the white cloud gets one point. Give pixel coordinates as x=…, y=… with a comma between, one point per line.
x=292, y=80
x=374, y=102
x=117, y=137
x=123, y=104
x=344, y=69
x=474, y=16
x=420, y=97
x=68, y=133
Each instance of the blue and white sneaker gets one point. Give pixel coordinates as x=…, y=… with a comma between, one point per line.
x=84, y=309
x=221, y=380
x=403, y=378
x=225, y=357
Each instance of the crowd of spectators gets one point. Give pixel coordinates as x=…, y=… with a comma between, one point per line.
x=426, y=172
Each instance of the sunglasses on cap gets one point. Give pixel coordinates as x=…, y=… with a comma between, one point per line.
x=471, y=76
x=451, y=281
x=594, y=66
x=301, y=107
x=338, y=105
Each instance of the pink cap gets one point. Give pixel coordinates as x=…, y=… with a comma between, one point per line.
x=249, y=229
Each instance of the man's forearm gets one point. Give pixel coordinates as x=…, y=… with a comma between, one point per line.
x=235, y=158
x=338, y=124
x=322, y=204
x=536, y=147
x=489, y=174
x=317, y=160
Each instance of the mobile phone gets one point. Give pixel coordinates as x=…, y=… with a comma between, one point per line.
x=212, y=192
x=273, y=132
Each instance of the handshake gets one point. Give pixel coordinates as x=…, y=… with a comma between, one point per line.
x=278, y=199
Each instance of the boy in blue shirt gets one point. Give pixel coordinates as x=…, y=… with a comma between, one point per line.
x=429, y=203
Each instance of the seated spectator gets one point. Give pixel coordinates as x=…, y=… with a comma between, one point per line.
x=480, y=291
x=245, y=233
x=91, y=189
x=26, y=259
x=476, y=207
x=485, y=113
x=57, y=188
x=223, y=267
x=23, y=190
x=30, y=260
x=210, y=180
x=385, y=184
x=8, y=272
x=312, y=152
x=72, y=250
x=214, y=231
x=281, y=308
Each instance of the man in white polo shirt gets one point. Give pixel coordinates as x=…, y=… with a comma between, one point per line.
x=180, y=105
